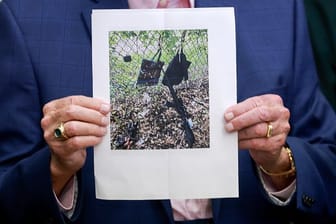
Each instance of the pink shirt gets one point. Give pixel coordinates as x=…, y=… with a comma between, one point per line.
x=183, y=209
x=149, y=4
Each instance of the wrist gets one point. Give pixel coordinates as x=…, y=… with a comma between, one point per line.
x=286, y=168
x=59, y=177
x=285, y=173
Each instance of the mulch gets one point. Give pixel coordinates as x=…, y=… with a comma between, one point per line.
x=149, y=120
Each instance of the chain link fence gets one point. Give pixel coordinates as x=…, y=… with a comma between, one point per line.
x=129, y=48
x=141, y=118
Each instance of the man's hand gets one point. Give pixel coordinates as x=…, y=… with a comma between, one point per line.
x=85, y=120
x=252, y=119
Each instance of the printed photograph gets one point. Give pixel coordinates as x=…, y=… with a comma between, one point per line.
x=159, y=89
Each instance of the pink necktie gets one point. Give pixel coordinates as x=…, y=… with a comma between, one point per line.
x=173, y=4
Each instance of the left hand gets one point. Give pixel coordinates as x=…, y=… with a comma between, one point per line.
x=251, y=119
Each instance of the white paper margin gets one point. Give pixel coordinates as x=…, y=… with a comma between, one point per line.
x=167, y=174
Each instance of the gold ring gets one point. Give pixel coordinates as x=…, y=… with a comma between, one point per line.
x=59, y=132
x=269, y=131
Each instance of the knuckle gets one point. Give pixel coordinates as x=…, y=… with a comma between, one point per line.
x=44, y=122
x=45, y=135
x=256, y=101
x=263, y=113
x=286, y=113
x=46, y=108
x=70, y=111
x=277, y=99
x=75, y=100
x=260, y=130
x=286, y=128
x=75, y=142
x=71, y=99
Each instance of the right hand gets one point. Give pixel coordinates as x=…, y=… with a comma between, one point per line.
x=85, y=122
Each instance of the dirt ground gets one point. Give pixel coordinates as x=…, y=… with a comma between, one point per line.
x=151, y=121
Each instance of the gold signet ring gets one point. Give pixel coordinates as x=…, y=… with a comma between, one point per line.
x=59, y=132
x=269, y=130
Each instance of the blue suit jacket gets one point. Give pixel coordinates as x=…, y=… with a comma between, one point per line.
x=45, y=53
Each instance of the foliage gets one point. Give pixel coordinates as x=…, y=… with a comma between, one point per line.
x=144, y=44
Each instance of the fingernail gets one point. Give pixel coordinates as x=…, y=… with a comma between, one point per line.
x=105, y=108
x=228, y=116
x=229, y=127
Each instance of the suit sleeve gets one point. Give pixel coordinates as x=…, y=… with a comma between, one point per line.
x=313, y=130
x=26, y=194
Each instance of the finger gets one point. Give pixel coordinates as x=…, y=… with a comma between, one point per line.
x=75, y=128
x=263, y=144
x=78, y=128
x=79, y=113
x=79, y=142
x=83, y=101
x=258, y=131
x=252, y=103
x=67, y=148
x=253, y=117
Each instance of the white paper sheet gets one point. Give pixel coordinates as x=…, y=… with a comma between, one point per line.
x=210, y=172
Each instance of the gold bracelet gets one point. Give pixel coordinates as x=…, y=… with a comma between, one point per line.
x=288, y=173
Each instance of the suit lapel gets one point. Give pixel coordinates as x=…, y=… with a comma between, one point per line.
x=88, y=5
x=216, y=204
x=168, y=209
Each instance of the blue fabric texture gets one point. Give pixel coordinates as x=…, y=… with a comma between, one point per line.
x=45, y=53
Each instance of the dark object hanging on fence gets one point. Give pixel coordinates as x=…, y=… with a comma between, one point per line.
x=177, y=69
x=127, y=58
x=176, y=72
x=150, y=70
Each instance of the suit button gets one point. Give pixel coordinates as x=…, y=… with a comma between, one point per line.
x=307, y=201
